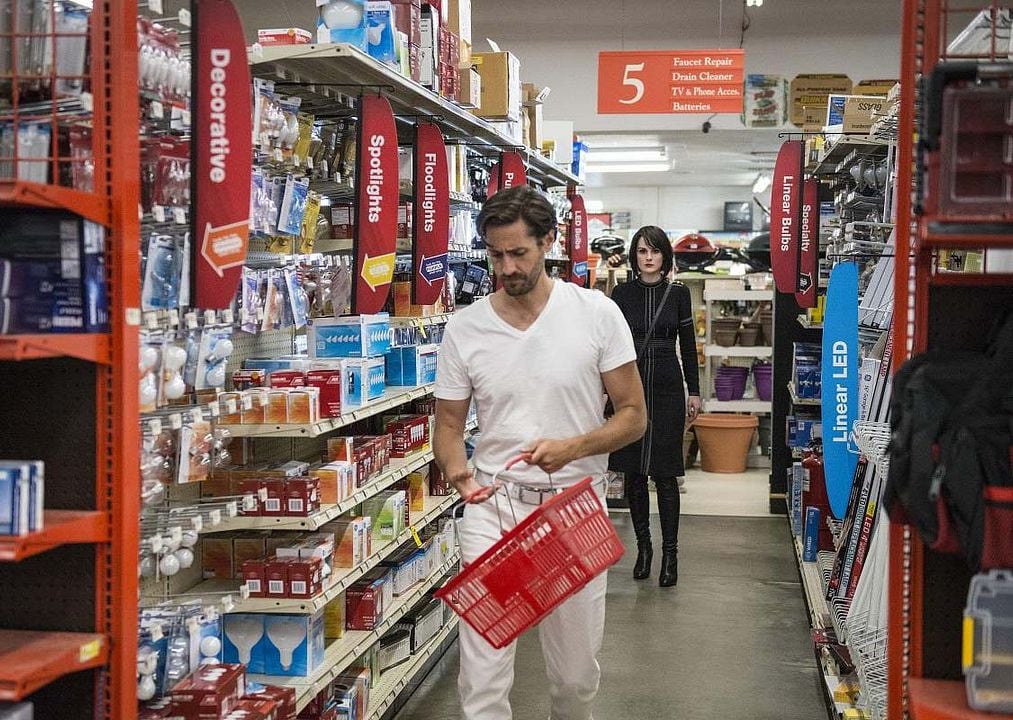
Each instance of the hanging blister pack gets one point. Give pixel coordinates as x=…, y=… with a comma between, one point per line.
x=163, y=270
x=293, y=205
x=215, y=348
x=298, y=301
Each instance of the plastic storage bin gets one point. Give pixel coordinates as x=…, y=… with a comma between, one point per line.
x=988, y=642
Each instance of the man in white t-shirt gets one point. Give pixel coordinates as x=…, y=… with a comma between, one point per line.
x=536, y=357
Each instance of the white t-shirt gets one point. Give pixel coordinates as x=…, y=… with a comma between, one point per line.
x=543, y=382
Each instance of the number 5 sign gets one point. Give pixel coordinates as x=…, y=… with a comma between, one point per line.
x=671, y=81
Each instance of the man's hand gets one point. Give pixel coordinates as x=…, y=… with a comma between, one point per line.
x=551, y=455
x=692, y=407
x=470, y=490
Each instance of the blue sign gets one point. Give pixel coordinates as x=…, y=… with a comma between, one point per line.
x=434, y=269
x=840, y=384
x=580, y=269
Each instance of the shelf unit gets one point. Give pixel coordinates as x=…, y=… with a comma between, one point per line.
x=76, y=648
x=943, y=313
x=341, y=653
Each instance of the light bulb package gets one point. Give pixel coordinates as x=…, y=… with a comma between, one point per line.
x=215, y=349
x=22, y=493
x=163, y=270
x=285, y=645
x=342, y=21
x=380, y=31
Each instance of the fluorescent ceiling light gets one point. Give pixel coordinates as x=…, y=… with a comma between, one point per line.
x=761, y=183
x=630, y=167
x=626, y=154
x=754, y=3
x=594, y=206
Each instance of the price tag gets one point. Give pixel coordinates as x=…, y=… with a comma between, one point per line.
x=176, y=534
x=262, y=494
x=278, y=157
x=230, y=407
x=174, y=317
x=89, y=651
x=227, y=604
x=247, y=402
x=155, y=426
x=156, y=544
x=215, y=517
x=179, y=215
x=214, y=409
x=157, y=110
x=184, y=17
x=415, y=535
x=249, y=502
x=156, y=7
x=210, y=317
x=191, y=320
x=158, y=212
x=198, y=523
x=228, y=317
x=176, y=421
x=87, y=102
x=244, y=591
x=232, y=508
x=309, y=163
x=156, y=635
x=151, y=320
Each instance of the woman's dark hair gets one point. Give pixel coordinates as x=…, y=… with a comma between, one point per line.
x=518, y=203
x=657, y=239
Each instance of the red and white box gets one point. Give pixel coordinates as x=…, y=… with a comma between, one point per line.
x=211, y=692
x=329, y=383
x=284, y=36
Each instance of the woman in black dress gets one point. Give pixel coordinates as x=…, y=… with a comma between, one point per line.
x=659, y=453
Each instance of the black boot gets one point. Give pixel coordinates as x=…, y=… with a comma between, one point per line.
x=640, y=514
x=668, y=507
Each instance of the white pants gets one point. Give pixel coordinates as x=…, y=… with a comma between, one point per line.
x=571, y=636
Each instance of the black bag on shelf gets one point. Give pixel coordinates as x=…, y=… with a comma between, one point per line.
x=951, y=451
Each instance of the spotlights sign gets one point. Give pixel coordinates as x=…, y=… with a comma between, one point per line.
x=671, y=81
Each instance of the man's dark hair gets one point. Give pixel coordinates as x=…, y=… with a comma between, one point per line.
x=657, y=239
x=518, y=203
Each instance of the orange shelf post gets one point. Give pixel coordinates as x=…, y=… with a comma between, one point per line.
x=91, y=347
x=944, y=700
x=89, y=205
x=60, y=527
x=32, y=660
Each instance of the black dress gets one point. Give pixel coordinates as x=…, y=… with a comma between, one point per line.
x=659, y=452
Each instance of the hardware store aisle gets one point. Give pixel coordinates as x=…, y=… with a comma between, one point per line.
x=731, y=641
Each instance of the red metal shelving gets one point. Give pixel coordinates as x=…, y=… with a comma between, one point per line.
x=60, y=527
x=944, y=700
x=88, y=205
x=93, y=347
x=31, y=660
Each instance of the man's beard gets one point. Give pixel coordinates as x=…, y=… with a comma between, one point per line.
x=520, y=285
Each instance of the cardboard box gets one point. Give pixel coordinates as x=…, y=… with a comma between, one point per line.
x=349, y=544
x=304, y=405
x=216, y=557
x=305, y=577
x=534, y=100
x=429, y=48
x=329, y=385
x=812, y=90
x=248, y=546
x=302, y=497
x=358, y=336
x=853, y=113
x=501, y=85
x=334, y=618
x=254, y=575
x=412, y=366
x=212, y=691
x=876, y=88
x=365, y=380
x=459, y=18
x=470, y=93
x=337, y=481
x=284, y=36
x=365, y=602
x=342, y=221
x=408, y=19
x=277, y=495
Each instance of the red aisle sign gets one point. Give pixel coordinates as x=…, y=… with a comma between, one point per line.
x=808, y=246
x=431, y=221
x=577, y=243
x=222, y=148
x=509, y=172
x=376, y=185
x=785, y=195
x=671, y=81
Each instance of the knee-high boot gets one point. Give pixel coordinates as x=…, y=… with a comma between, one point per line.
x=640, y=514
x=669, y=507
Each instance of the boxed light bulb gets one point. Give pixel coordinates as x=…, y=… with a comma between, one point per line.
x=380, y=31
x=295, y=644
x=365, y=381
x=210, y=692
x=342, y=21
x=359, y=336
x=413, y=366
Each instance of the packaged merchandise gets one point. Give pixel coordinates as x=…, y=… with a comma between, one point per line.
x=366, y=600
x=284, y=36
x=359, y=336
x=211, y=691
x=342, y=21
x=30, y=500
x=380, y=31
x=365, y=381
x=388, y=512
x=412, y=366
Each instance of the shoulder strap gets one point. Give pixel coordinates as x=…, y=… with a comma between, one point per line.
x=654, y=320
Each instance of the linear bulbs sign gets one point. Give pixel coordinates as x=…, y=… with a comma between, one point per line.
x=671, y=81
x=785, y=200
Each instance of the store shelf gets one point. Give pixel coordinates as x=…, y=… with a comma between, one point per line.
x=804, y=321
x=422, y=321
x=328, y=513
x=747, y=351
x=796, y=400
x=330, y=66
x=340, y=581
x=60, y=527
x=745, y=295
x=834, y=152
x=32, y=660
x=944, y=700
x=91, y=347
x=812, y=584
x=967, y=236
x=392, y=398
x=88, y=205
x=383, y=695
x=341, y=653
x=748, y=406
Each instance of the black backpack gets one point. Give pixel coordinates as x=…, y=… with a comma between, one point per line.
x=951, y=450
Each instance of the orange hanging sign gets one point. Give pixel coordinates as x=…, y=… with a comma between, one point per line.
x=671, y=81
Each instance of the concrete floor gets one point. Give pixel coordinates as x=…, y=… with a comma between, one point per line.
x=730, y=642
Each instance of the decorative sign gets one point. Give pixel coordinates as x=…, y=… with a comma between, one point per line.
x=509, y=172
x=808, y=97
x=785, y=196
x=376, y=182
x=577, y=241
x=431, y=215
x=222, y=148
x=840, y=384
x=808, y=245
x=671, y=81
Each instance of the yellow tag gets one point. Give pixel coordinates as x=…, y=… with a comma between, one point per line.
x=415, y=536
x=968, y=655
x=90, y=651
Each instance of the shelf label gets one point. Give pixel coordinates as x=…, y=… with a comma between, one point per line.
x=431, y=215
x=415, y=535
x=156, y=7
x=671, y=82
x=221, y=150
x=576, y=242
x=808, y=246
x=215, y=518
x=509, y=172
x=785, y=199
x=184, y=17
x=376, y=183
x=840, y=371
x=158, y=212
x=90, y=651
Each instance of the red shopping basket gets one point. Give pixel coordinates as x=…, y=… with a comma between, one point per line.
x=549, y=556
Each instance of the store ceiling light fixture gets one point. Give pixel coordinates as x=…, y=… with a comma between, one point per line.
x=754, y=3
x=626, y=154
x=662, y=166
